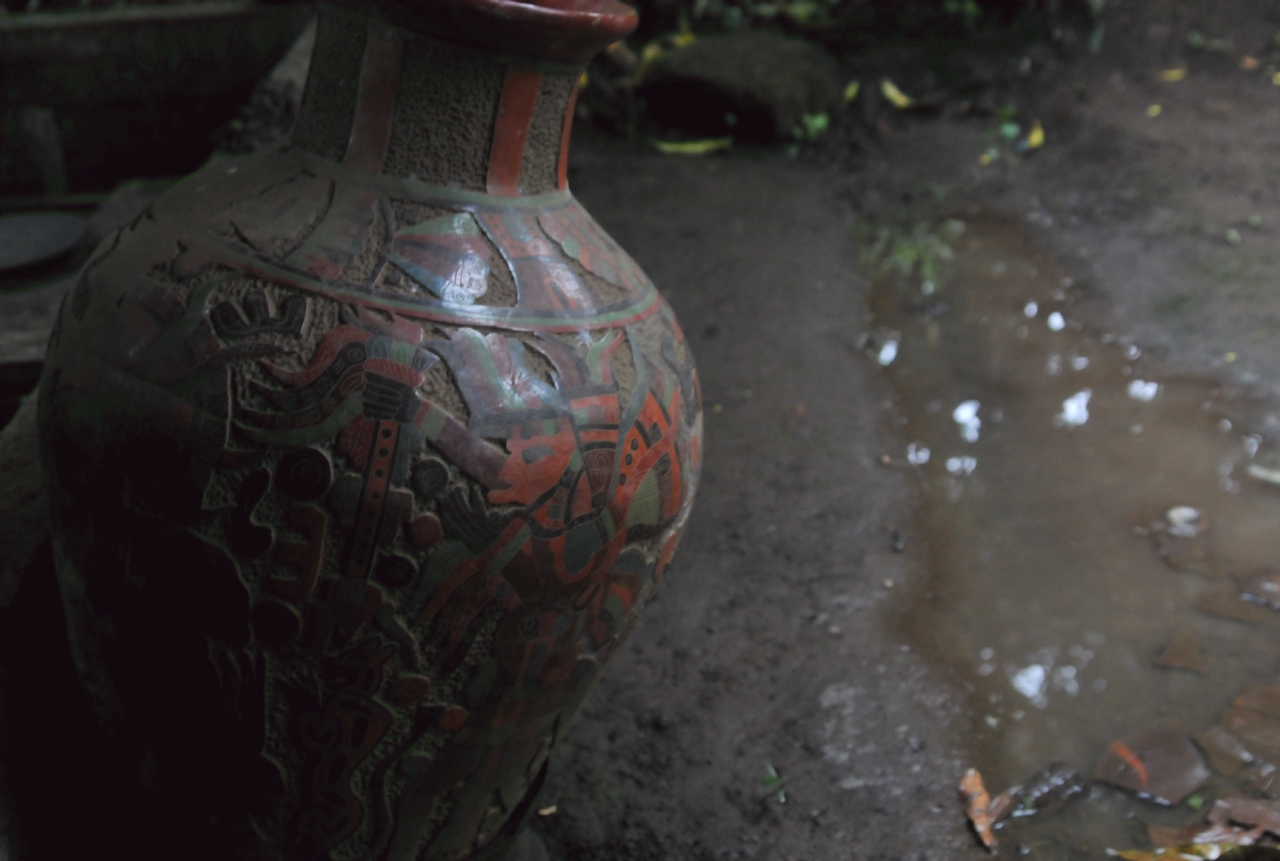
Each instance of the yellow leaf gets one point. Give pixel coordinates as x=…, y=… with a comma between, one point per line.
x=898, y=98
x=583, y=80
x=1153, y=111
x=1173, y=75
x=1035, y=137
x=1275, y=79
x=851, y=90
x=702, y=147
x=683, y=39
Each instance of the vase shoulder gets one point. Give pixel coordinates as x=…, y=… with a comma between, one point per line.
x=434, y=253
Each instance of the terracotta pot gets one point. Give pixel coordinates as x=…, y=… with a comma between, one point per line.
x=364, y=452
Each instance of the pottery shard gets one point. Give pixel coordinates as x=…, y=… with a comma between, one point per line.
x=1158, y=762
x=768, y=82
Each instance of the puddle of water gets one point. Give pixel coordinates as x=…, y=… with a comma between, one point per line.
x=1047, y=445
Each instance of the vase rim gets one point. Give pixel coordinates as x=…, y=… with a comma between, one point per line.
x=559, y=31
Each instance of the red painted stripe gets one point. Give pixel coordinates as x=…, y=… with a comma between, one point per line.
x=375, y=102
x=511, y=131
x=396, y=371
x=562, y=167
x=377, y=484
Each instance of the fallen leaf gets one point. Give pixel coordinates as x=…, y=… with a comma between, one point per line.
x=1153, y=111
x=977, y=802
x=895, y=96
x=701, y=147
x=1249, y=63
x=1173, y=75
x=1263, y=816
x=1201, y=832
x=1035, y=138
x=851, y=90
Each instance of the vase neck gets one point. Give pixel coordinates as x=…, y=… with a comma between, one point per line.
x=383, y=100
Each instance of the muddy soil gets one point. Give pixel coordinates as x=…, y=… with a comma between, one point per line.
x=790, y=634
x=773, y=644
x=803, y=687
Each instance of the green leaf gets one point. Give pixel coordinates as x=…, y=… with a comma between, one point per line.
x=815, y=125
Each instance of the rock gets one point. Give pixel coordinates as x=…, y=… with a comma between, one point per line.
x=764, y=81
x=24, y=523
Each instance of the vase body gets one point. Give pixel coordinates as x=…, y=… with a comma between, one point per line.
x=363, y=453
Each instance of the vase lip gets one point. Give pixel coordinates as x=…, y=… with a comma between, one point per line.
x=557, y=31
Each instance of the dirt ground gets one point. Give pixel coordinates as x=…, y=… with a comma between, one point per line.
x=775, y=641
x=776, y=645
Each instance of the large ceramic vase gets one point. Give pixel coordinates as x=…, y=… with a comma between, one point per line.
x=365, y=451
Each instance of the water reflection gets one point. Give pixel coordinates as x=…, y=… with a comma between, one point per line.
x=1109, y=518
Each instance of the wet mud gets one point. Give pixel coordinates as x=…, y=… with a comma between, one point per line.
x=1091, y=518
